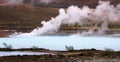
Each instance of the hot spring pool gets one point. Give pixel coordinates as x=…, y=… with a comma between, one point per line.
x=59, y=42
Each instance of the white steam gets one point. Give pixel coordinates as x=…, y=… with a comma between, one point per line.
x=14, y=2
x=47, y=1
x=19, y=2
x=102, y=15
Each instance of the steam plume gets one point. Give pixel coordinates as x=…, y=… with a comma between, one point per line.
x=47, y=1
x=102, y=15
x=14, y=2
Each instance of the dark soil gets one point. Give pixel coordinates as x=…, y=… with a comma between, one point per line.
x=64, y=56
x=43, y=58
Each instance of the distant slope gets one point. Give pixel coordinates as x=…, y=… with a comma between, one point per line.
x=59, y=3
x=80, y=3
x=24, y=17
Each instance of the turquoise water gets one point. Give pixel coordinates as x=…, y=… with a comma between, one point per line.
x=59, y=42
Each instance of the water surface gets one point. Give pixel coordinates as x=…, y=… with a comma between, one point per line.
x=59, y=42
x=5, y=53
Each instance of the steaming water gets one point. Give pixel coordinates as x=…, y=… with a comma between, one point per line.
x=59, y=42
x=4, y=53
x=103, y=15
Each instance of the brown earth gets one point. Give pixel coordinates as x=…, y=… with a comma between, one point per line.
x=85, y=55
x=22, y=17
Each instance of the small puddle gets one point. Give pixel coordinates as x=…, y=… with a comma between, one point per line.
x=15, y=53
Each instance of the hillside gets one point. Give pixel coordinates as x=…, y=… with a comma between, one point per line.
x=24, y=17
x=57, y=3
x=29, y=16
x=80, y=3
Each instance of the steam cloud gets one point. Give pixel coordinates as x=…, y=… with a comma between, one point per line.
x=102, y=15
x=18, y=2
x=14, y=2
x=47, y=1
